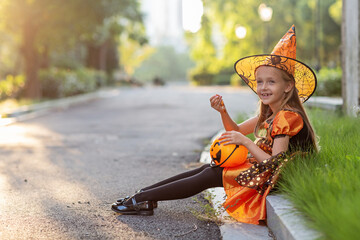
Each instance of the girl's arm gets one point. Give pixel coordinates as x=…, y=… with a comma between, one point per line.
x=280, y=145
x=248, y=126
x=245, y=128
x=232, y=137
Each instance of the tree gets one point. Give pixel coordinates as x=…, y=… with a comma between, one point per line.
x=202, y=47
x=26, y=18
x=111, y=19
x=132, y=54
x=47, y=26
x=318, y=33
x=41, y=26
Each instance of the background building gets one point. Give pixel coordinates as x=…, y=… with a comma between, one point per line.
x=164, y=22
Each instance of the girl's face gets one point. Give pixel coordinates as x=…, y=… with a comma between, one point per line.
x=271, y=87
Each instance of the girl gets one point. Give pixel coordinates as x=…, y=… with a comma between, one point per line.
x=282, y=128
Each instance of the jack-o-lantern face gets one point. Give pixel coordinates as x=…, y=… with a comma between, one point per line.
x=215, y=152
x=227, y=156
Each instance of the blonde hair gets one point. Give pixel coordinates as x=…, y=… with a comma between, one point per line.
x=291, y=101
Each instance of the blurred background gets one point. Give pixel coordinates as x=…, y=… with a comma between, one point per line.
x=56, y=48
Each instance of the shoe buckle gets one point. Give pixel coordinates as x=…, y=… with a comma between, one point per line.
x=135, y=205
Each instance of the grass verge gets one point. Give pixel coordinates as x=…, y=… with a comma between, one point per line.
x=325, y=187
x=11, y=104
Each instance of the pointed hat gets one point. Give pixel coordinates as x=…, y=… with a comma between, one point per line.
x=282, y=57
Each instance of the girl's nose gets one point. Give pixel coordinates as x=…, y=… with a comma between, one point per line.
x=264, y=86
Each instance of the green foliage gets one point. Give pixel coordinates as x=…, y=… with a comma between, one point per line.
x=60, y=24
x=335, y=11
x=201, y=78
x=243, y=117
x=57, y=33
x=9, y=54
x=164, y=63
x=235, y=80
x=63, y=82
x=223, y=77
x=11, y=86
x=325, y=186
x=133, y=54
x=215, y=46
x=203, y=50
x=329, y=82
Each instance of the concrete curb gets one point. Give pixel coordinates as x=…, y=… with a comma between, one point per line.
x=285, y=221
x=31, y=111
x=327, y=103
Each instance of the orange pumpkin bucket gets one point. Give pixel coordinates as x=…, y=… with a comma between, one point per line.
x=227, y=155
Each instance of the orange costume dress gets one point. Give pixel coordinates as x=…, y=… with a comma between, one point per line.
x=247, y=185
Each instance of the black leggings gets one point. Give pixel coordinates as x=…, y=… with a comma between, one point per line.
x=183, y=185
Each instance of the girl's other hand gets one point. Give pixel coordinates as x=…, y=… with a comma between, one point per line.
x=232, y=137
x=217, y=103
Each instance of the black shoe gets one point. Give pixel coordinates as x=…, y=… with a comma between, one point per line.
x=123, y=200
x=143, y=208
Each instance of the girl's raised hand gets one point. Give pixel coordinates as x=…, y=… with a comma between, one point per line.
x=233, y=137
x=217, y=103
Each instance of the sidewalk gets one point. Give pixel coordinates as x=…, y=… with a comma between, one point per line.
x=38, y=109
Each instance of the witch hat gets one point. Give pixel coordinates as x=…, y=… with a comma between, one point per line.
x=282, y=57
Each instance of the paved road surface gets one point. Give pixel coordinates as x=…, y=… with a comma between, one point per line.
x=59, y=173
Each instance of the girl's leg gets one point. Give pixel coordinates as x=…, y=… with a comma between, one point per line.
x=184, y=187
x=166, y=181
x=177, y=177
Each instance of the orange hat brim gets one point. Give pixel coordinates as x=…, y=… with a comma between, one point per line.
x=305, y=78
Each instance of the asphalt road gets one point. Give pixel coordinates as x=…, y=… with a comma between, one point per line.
x=59, y=173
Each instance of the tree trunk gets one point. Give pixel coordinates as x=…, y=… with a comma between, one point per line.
x=97, y=56
x=103, y=51
x=92, y=59
x=112, y=61
x=45, y=59
x=350, y=54
x=32, y=86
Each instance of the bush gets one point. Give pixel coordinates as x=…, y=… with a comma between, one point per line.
x=11, y=86
x=329, y=82
x=201, y=78
x=223, y=77
x=235, y=80
x=62, y=82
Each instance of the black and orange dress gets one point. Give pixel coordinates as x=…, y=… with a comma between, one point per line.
x=247, y=185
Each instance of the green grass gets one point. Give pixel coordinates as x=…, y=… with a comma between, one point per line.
x=325, y=187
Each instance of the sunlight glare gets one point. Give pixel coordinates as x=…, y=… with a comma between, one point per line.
x=240, y=32
x=192, y=11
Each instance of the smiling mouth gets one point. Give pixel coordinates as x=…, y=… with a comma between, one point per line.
x=266, y=94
